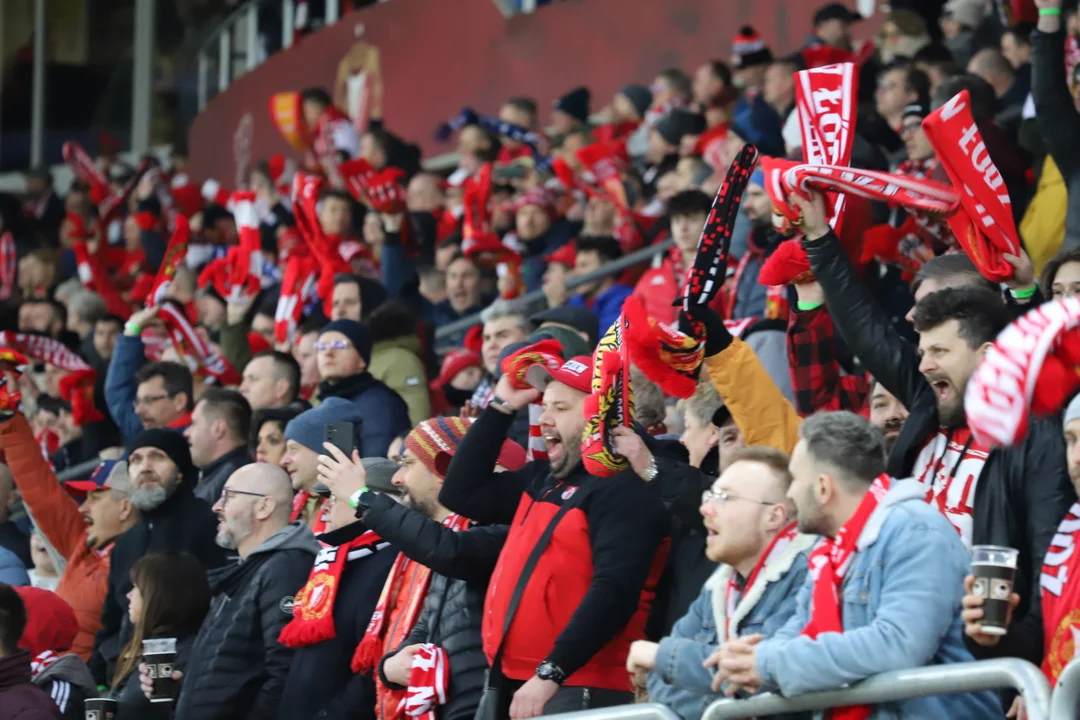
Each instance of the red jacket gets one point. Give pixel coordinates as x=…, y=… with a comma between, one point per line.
x=662, y=283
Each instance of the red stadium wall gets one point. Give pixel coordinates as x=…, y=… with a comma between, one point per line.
x=437, y=57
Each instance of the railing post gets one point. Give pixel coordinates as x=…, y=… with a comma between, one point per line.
x=288, y=20
x=1066, y=697
x=37, y=92
x=333, y=12
x=224, y=58
x=252, y=27
x=204, y=79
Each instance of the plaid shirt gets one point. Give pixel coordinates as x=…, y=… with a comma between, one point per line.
x=815, y=373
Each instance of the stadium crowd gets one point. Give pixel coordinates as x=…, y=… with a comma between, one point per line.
x=352, y=475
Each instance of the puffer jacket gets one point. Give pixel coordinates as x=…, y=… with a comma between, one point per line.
x=1023, y=492
x=237, y=667
x=462, y=563
x=68, y=682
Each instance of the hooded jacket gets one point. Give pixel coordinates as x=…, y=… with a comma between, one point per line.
x=1023, y=492
x=21, y=699
x=321, y=683
x=84, y=581
x=183, y=523
x=237, y=667
x=68, y=682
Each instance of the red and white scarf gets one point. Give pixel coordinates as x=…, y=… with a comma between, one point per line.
x=76, y=386
x=1060, y=587
x=985, y=225
x=300, y=501
x=45, y=349
x=196, y=352
x=298, y=289
x=372, y=647
x=42, y=661
x=734, y=591
x=429, y=682
x=828, y=565
x=175, y=254
x=313, y=607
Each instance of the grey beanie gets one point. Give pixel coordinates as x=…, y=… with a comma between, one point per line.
x=1072, y=411
x=307, y=427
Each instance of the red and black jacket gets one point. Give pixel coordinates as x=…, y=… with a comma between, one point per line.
x=591, y=591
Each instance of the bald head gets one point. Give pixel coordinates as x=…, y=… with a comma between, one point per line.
x=268, y=480
x=994, y=68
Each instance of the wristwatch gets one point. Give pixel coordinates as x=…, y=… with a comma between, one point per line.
x=650, y=472
x=359, y=499
x=548, y=670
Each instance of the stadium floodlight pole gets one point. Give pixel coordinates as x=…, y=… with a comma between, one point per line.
x=142, y=83
x=37, y=100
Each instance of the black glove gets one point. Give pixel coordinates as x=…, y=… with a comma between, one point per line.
x=717, y=337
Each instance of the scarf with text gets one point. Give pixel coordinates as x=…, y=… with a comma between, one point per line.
x=325, y=249
x=984, y=226
x=1061, y=596
x=429, y=682
x=610, y=405
x=199, y=356
x=735, y=591
x=495, y=126
x=313, y=607
x=77, y=384
x=373, y=645
x=1031, y=369
x=828, y=564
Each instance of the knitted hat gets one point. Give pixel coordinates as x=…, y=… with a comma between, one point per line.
x=357, y=334
x=679, y=122
x=575, y=104
x=918, y=109
x=639, y=96
x=169, y=442
x=455, y=362
x=307, y=427
x=749, y=49
x=50, y=622
x=1072, y=411
x=429, y=438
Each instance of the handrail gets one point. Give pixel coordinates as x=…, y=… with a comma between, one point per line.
x=78, y=472
x=523, y=302
x=640, y=711
x=1066, y=697
x=905, y=685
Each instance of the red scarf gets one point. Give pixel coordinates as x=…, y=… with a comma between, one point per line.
x=429, y=683
x=829, y=563
x=298, y=289
x=1061, y=596
x=984, y=225
x=776, y=546
x=372, y=647
x=175, y=254
x=196, y=352
x=300, y=501
x=9, y=261
x=313, y=608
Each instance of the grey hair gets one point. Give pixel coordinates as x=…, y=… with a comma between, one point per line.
x=87, y=305
x=704, y=403
x=649, y=406
x=505, y=309
x=68, y=289
x=847, y=444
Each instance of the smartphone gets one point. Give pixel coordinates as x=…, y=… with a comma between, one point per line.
x=341, y=436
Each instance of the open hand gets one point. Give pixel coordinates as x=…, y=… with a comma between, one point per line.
x=343, y=475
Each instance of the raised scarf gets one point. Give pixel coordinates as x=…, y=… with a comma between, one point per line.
x=313, y=607
x=773, y=550
x=495, y=126
x=373, y=645
x=828, y=564
x=323, y=249
x=984, y=226
x=429, y=682
x=298, y=293
x=175, y=255
x=77, y=384
x=610, y=405
x=193, y=349
x=109, y=205
x=9, y=261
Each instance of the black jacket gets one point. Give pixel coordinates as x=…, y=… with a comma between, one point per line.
x=1058, y=120
x=183, y=523
x=132, y=704
x=454, y=608
x=321, y=683
x=216, y=473
x=237, y=667
x=1023, y=492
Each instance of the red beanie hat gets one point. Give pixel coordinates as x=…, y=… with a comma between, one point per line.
x=50, y=622
x=455, y=362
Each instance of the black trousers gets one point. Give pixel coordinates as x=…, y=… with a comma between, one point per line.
x=569, y=699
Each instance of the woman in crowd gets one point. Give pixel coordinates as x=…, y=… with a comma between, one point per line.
x=268, y=434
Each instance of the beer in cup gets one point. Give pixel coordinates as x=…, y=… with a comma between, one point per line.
x=159, y=655
x=994, y=568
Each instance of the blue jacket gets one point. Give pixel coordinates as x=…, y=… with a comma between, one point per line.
x=901, y=609
x=679, y=680
x=607, y=306
x=12, y=571
x=120, y=386
x=385, y=414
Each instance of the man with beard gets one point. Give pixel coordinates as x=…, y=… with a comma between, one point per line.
x=237, y=667
x=608, y=546
x=170, y=518
x=1013, y=497
x=887, y=414
x=899, y=563
x=83, y=535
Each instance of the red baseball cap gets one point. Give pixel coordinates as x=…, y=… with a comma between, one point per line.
x=575, y=373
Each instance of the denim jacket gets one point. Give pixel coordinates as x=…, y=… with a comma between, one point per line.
x=679, y=680
x=901, y=609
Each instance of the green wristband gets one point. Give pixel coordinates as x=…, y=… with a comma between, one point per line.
x=1043, y=12
x=803, y=306
x=132, y=328
x=1025, y=293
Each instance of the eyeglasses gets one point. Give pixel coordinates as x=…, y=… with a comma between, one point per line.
x=148, y=401
x=723, y=497
x=336, y=345
x=228, y=494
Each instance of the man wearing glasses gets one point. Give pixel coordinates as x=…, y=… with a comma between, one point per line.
x=752, y=534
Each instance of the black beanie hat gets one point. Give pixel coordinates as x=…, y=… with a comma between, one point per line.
x=170, y=442
x=575, y=103
x=679, y=122
x=639, y=96
x=357, y=333
x=749, y=49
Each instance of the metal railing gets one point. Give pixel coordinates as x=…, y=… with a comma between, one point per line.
x=1065, y=702
x=532, y=299
x=640, y=711
x=906, y=685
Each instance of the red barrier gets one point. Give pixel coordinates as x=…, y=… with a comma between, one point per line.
x=435, y=57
